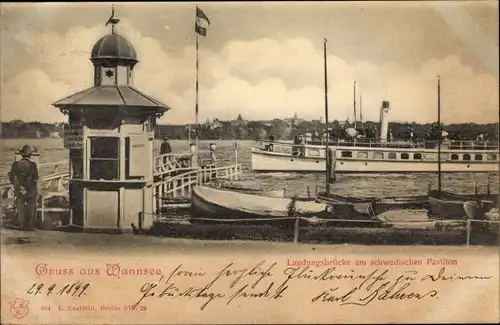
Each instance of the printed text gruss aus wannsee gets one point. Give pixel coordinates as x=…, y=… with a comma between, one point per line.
x=265, y=281
x=109, y=269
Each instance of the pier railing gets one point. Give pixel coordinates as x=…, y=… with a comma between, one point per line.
x=179, y=161
x=181, y=185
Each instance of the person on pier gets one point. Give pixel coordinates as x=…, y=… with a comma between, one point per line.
x=24, y=176
x=165, y=149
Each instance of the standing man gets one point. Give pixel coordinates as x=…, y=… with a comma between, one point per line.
x=24, y=176
x=165, y=147
x=271, y=140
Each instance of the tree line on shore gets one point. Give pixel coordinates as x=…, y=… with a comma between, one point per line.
x=252, y=130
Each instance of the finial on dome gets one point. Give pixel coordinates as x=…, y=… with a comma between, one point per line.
x=112, y=20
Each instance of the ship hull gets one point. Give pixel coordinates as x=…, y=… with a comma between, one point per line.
x=265, y=161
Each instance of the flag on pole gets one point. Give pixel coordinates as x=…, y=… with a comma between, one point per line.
x=201, y=14
x=198, y=28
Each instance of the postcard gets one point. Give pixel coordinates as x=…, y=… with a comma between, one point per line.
x=249, y=162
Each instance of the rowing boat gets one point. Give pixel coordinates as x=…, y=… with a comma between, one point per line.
x=221, y=205
x=377, y=205
x=224, y=185
x=449, y=205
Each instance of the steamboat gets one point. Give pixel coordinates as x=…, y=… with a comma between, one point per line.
x=352, y=154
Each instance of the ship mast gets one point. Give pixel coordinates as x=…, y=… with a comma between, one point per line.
x=327, y=152
x=440, y=133
x=361, y=110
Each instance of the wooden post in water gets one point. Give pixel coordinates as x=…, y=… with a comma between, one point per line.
x=476, y=188
x=327, y=152
x=468, y=232
x=296, y=229
x=488, y=192
x=236, y=152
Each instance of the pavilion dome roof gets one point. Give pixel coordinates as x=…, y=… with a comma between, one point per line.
x=113, y=47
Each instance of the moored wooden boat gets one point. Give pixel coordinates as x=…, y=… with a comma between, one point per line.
x=377, y=205
x=224, y=185
x=493, y=214
x=452, y=206
x=225, y=205
x=478, y=209
x=254, y=191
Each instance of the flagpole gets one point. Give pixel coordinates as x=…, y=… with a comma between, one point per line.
x=196, y=115
x=327, y=153
x=354, y=104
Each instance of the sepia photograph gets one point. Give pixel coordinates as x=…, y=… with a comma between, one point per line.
x=249, y=162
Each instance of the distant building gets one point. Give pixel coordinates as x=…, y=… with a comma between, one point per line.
x=215, y=124
x=294, y=121
x=238, y=122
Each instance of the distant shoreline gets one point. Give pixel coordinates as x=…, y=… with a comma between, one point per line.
x=158, y=139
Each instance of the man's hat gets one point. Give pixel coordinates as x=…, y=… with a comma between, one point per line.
x=165, y=139
x=26, y=151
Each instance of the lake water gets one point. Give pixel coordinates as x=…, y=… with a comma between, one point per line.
x=52, y=150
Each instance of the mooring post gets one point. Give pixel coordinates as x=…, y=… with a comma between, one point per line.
x=236, y=152
x=296, y=229
x=42, y=212
x=488, y=186
x=308, y=191
x=429, y=188
x=476, y=189
x=468, y=232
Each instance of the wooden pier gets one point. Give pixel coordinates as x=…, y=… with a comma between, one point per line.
x=174, y=178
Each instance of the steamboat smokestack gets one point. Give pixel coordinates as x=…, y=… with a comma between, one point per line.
x=384, y=122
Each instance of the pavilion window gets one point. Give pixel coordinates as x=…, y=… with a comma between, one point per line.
x=392, y=155
x=478, y=157
x=405, y=156
x=466, y=156
x=104, y=158
x=417, y=156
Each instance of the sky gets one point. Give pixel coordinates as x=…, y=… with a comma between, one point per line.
x=263, y=60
